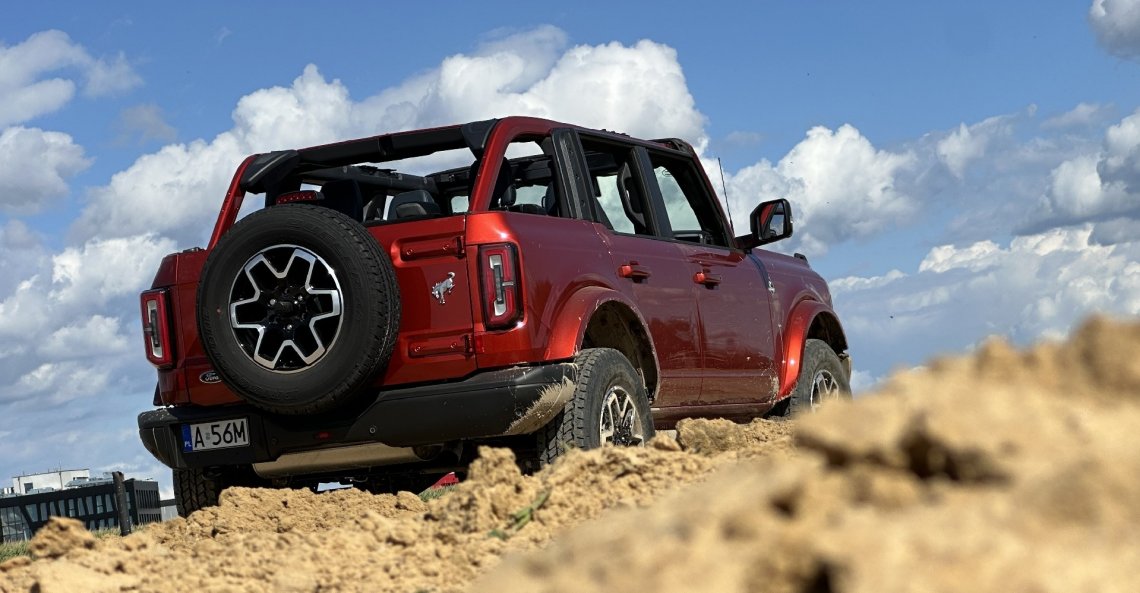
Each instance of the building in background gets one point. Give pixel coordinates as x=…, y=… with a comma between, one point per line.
x=56, y=480
x=32, y=499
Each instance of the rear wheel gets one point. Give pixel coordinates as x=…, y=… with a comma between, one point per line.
x=822, y=379
x=196, y=489
x=609, y=407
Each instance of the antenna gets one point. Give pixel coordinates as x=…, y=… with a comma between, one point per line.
x=727, y=206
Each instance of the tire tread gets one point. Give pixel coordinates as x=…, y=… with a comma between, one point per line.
x=306, y=220
x=569, y=428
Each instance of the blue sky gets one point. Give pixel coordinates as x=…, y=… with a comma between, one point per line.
x=958, y=170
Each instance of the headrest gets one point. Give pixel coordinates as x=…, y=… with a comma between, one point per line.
x=412, y=204
x=343, y=195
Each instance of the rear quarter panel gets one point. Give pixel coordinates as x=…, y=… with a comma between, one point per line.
x=558, y=258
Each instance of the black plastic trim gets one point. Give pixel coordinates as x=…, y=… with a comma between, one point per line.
x=269, y=169
x=476, y=134
x=484, y=405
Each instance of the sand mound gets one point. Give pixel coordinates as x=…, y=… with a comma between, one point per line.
x=1001, y=471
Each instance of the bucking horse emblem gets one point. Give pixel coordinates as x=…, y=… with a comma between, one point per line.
x=443, y=288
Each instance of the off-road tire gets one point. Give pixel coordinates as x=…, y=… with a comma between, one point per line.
x=579, y=424
x=196, y=489
x=822, y=378
x=362, y=280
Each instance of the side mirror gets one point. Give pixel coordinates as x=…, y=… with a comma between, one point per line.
x=769, y=222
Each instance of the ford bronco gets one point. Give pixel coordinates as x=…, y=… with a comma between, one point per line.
x=388, y=302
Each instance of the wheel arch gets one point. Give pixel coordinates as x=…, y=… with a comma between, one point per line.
x=599, y=317
x=809, y=319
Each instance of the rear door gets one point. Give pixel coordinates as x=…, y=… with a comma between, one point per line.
x=651, y=271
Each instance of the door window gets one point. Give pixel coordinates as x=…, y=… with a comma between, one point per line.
x=688, y=202
x=682, y=217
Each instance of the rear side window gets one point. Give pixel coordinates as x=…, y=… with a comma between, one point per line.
x=617, y=194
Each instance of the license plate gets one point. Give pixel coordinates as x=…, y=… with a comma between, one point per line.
x=222, y=434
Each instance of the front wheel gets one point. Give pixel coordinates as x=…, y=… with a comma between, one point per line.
x=609, y=407
x=822, y=379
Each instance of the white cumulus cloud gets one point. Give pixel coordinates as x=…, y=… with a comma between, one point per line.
x=104, y=269
x=34, y=167
x=1095, y=186
x=97, y=335
x=177, y=190
x=968, y=143
x=1032, y=286
x=1084, y=114
x=32, y=82
x=1117, y=26
x=840, y=185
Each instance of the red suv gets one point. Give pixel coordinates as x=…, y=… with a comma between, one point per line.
x=387, y=302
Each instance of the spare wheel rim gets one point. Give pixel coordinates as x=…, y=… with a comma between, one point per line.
x=286, y=308
x=619, y=422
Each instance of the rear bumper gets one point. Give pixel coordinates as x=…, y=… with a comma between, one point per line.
x=488, y=404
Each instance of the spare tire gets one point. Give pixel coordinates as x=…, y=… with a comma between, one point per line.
x=298, y=309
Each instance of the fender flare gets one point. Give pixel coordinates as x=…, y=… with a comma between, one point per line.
x=799, y=323
x=570, y=323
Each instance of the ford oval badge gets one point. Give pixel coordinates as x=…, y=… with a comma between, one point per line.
x=210, y=376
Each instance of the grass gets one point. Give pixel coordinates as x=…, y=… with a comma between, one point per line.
x=11, y=550
x=14, y=549
x=521, y=517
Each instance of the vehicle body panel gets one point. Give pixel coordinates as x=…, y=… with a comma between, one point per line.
x=435, y=340
x=725, y=327
x=739, y=350
x=664, y=298
x=800, y=296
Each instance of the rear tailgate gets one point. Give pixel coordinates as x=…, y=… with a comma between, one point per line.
x=436, y=339
x=191, y=377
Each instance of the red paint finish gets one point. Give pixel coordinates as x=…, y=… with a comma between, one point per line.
x=436, y=339
x=570, y=323
x=557, y=259
x=739, y=362
x=235, y=195
x=182, y=384
x=727, y=333
x=664, y=295
x=795, y=336
x=799, y=296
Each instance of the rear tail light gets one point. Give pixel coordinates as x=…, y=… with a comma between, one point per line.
x=156, y=328
x=502, y=305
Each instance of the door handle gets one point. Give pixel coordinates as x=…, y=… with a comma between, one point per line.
x=707, y=278
x=633, y=271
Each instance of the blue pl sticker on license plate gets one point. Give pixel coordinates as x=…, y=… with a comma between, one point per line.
x=187, y=440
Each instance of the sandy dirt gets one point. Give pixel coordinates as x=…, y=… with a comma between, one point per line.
x=1001, y=471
